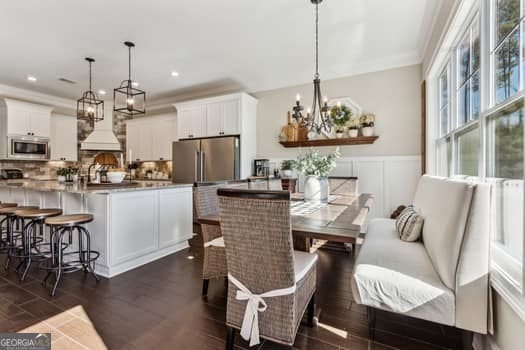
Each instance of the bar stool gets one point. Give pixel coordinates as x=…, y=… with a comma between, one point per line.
x=60, y=226
x=3, y=226
x=31, y=245
x=12, y=236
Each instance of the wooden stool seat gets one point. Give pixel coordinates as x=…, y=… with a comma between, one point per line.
x=69, y=220
x=14, y=210
x=8, y=205
x=39, y=214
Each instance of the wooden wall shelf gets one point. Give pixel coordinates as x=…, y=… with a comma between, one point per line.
x=348, y=141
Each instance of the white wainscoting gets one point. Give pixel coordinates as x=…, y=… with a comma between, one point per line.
x=392, y=180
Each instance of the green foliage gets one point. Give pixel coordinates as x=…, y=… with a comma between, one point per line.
x=62, y=172
x=288, y=165
x=313, y=163
x=340, y=115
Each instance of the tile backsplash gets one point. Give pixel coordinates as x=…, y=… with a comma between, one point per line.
x=47, y=170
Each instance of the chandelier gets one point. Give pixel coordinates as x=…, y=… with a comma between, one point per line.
x=89, y=107
x=127, y=99
x=318, y=116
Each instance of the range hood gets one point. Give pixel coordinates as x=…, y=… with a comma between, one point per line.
x=102, y=138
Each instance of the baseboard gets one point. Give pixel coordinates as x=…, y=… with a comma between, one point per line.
x=484, y=342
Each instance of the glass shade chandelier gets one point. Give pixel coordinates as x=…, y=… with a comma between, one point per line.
x=127, y=99
x=89, y=107
x=318, y=116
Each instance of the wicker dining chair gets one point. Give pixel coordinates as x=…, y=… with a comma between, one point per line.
x=339, y=184
x=214, y=264
x=278, y=282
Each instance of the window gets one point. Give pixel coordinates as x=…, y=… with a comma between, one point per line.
x=479, y=115
x=468, y=152
x=468, y=63
x=506, y=49
x=443, y=102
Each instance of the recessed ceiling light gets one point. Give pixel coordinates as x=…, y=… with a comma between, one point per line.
x=102, y=92
x=31, y=78
x=174, y=74
x=135, y=83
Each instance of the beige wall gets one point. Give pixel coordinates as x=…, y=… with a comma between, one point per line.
x=392, y=95
x=509, y=328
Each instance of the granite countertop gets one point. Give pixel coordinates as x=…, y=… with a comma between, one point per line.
x=55, y=186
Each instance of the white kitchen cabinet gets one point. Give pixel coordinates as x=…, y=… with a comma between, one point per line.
x=150, y=138
x=191, y=122
x=174, y=228
x=28, y=119
x=233, y=114
x=63, y=138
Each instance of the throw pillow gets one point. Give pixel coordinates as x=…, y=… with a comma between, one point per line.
x=409, y=224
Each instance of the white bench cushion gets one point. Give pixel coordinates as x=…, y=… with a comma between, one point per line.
x=398, y=276
x=444, y=205
x=303, y=262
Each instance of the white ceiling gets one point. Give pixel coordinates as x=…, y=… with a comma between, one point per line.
x=257, y=45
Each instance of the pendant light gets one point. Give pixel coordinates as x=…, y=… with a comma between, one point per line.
x=127, y=99
x=318, y=116
x=89, y=107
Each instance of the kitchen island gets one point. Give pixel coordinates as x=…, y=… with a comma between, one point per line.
x=134, y=223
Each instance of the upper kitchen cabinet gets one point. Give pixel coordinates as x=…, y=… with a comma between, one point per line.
x=63, y=138
x=223, y=118
x=150, y=138
x=23, y=118
x=233, y=114
x=191, y=121
x=215, y=116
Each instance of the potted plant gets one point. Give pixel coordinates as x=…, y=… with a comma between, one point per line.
x=367, y=124
x=316, y=168
x=340, y=115
x=74, y=174
x=61, y=174
x=287, y=167
x=353, y=127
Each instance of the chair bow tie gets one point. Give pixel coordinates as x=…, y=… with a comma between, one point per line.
x=255, y=304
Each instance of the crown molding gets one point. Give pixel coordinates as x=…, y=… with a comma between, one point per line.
x=36, y=97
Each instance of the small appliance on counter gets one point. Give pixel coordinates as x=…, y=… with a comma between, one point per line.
x=11, y=174
x=261, y=167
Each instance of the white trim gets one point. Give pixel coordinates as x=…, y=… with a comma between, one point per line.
x=425, y=39
x=507, y=290
x=32, y=96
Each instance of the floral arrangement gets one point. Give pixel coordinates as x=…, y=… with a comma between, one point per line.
x=340, y=115
x=367, y=120
x=353, y=124
x=313, y=163
x=62, y=172
x=288, y=165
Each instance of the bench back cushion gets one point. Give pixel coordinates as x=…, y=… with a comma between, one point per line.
x=444, y=205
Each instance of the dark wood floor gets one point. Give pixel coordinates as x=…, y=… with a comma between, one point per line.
x=158, y=306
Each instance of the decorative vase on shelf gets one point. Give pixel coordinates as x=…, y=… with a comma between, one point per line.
x=353, y=132
x=339, y=134
x=312, y=189
x=368, y=131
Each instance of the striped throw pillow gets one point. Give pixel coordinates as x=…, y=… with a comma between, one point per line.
x=409, y=224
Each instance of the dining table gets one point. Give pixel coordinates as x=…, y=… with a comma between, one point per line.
x=340, y=219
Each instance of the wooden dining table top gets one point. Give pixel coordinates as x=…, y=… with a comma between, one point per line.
x=339, y=220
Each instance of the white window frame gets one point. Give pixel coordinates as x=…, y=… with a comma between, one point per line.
x=503, y=265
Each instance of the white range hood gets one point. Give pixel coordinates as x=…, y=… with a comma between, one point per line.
x=102, y=138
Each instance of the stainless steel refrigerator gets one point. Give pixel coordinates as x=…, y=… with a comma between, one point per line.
x=210, y=159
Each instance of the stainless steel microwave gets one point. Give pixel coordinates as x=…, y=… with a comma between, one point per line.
x=28, y=148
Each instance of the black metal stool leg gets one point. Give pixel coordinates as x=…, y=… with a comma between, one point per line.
x=58, y=271
x=88, y=254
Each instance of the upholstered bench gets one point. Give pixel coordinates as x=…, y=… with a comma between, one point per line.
x=442, y=278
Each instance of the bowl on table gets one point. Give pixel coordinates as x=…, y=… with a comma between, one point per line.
x=116, y=176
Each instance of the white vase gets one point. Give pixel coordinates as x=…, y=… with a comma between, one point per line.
x=353, y=132
x=339, y=135
x=61, y=178
x=325, y=189
x=312, y=189
x=368, y=131
x=288, y=173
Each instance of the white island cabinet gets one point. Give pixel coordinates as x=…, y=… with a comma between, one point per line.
x=132, y=226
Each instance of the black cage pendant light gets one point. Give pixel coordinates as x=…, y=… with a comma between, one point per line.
x=127, y=99
x=89, y=107
x=318, y=117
